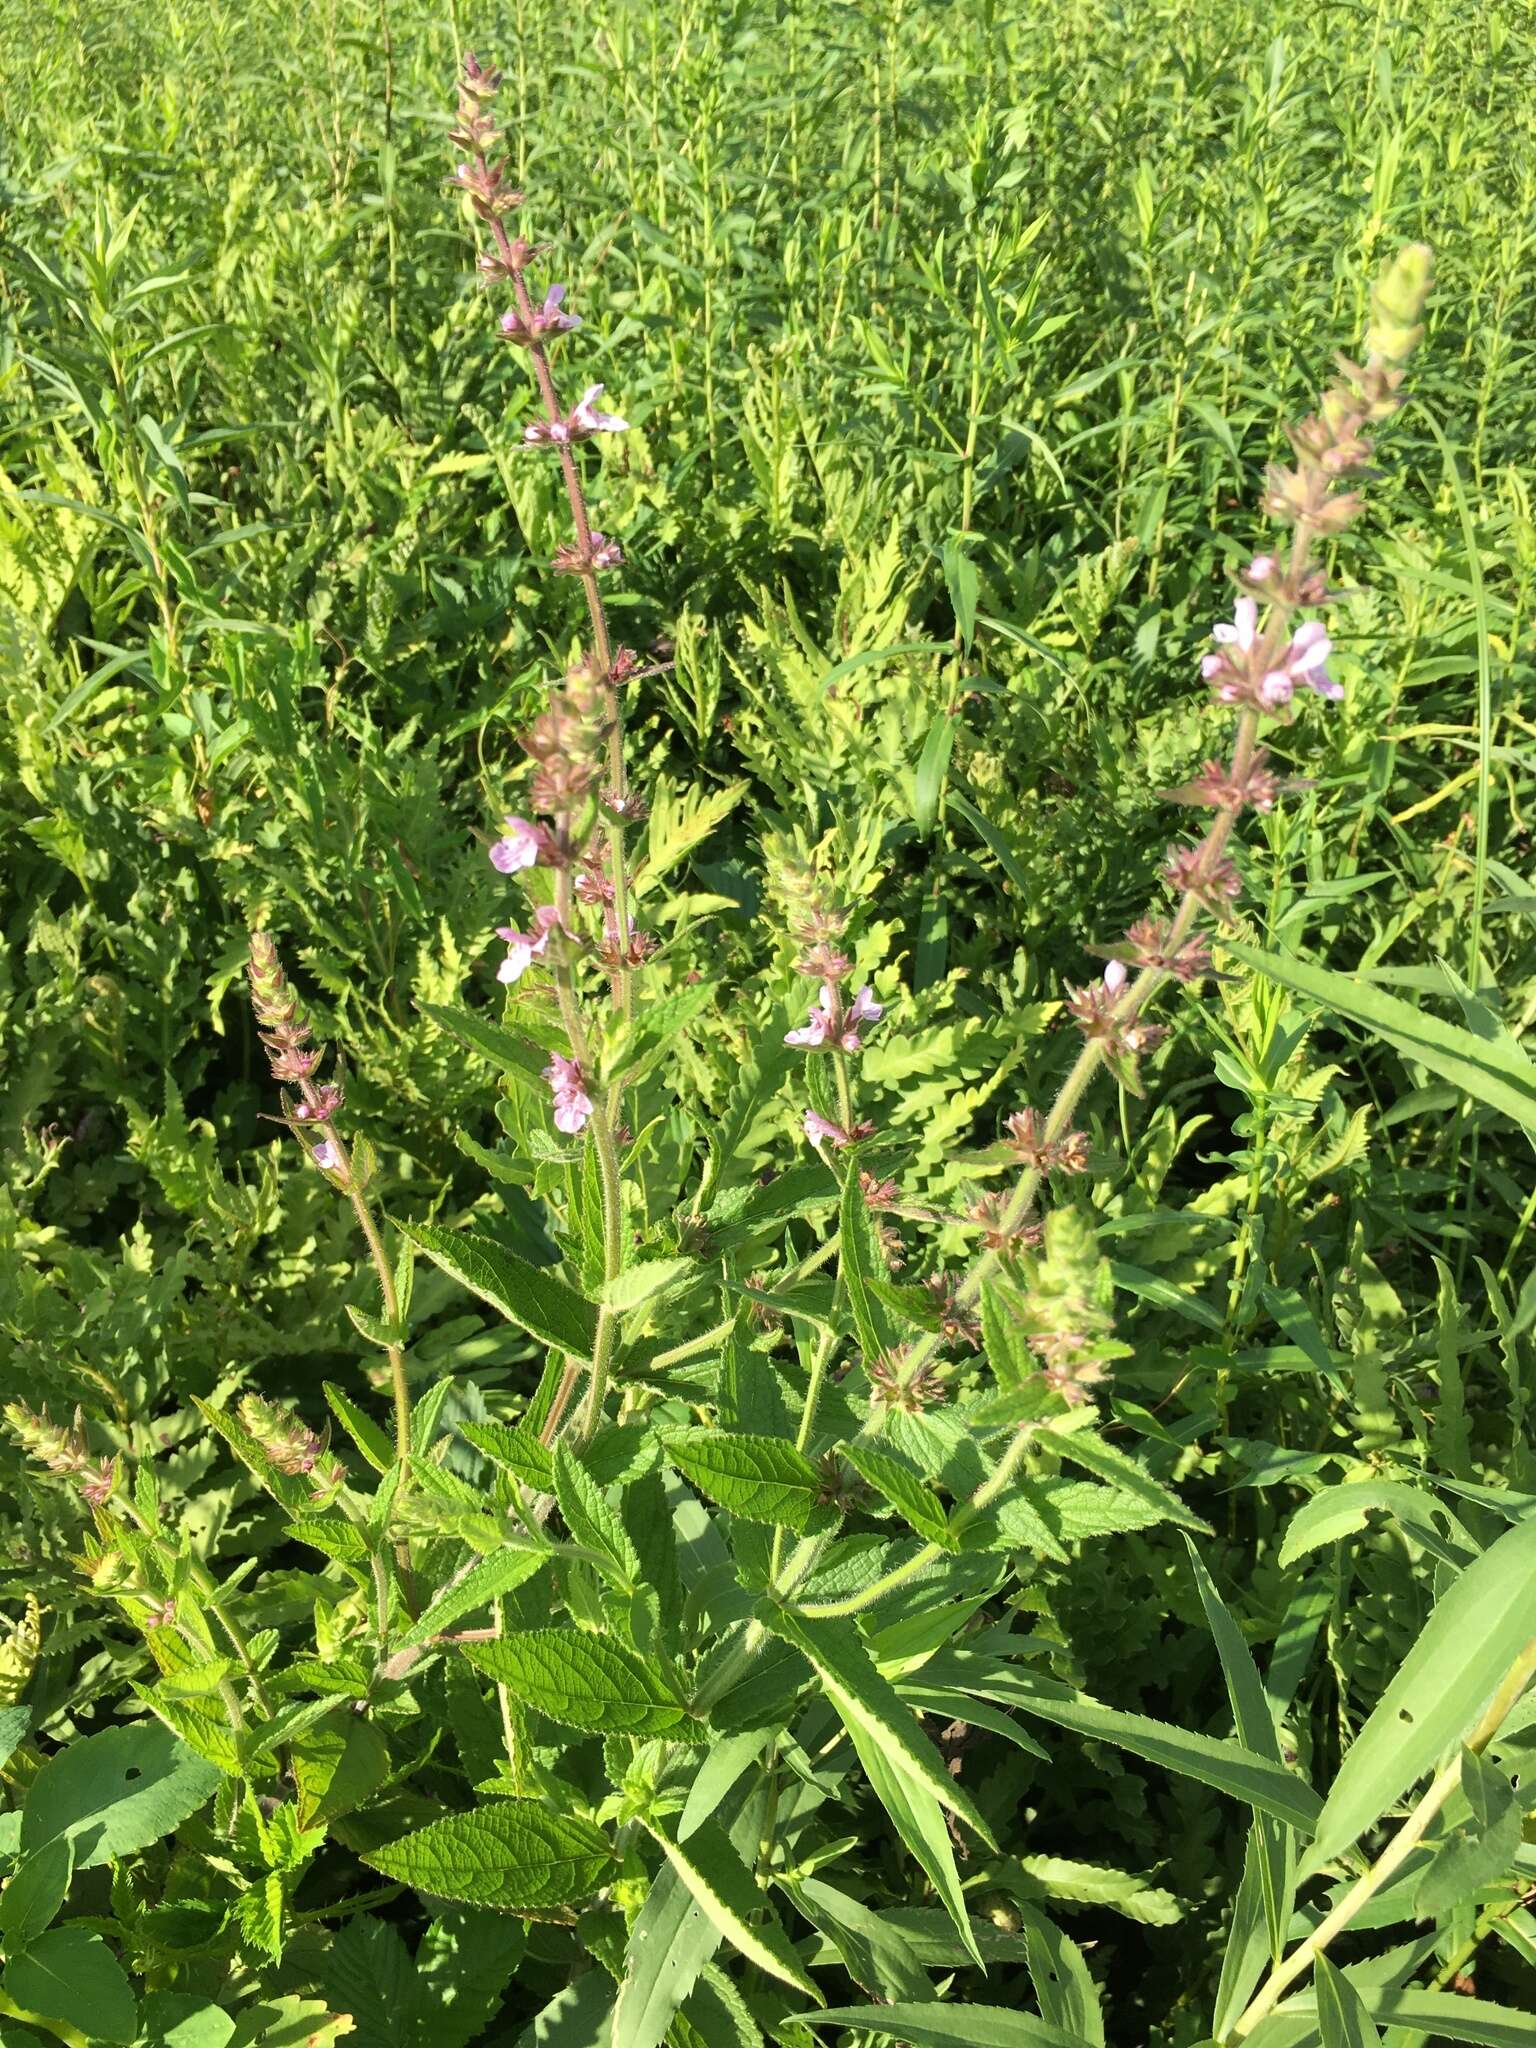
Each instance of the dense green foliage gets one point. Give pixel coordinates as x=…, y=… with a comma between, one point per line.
x=955, y=339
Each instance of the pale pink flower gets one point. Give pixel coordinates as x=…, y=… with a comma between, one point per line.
x=1303, y=662
x=1239, y=635
x=821, y=1131
x=586, y=417
x=830, y=1023
x=583, y=420
x=572, y=1103
x=523, y=948
x=1114, y=976
x=326, y=1156
x=822, y=1017
x=522, y=846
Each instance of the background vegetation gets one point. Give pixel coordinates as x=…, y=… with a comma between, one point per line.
x=955, y=338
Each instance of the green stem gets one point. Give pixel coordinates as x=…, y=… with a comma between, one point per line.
x=1391, y=1859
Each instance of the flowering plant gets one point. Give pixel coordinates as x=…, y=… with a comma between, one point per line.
x=601, y=1692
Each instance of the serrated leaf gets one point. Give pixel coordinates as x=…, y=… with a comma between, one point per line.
x=1342, y=2020
x=1104, y=1461
x=917, y=1504
x=502, y=1572
x=514, y=1854
x=532, y=1297
x=730, y=1899
x=1471, y=1640
x=506, y=1050
x=759, y=1478
x=591, y=1521
x=366, y=1434
x=866, y=1700
x=1226, y=1766
x=637, y=1284
x=516, y=1448
x=1256, y=1730
x=584, y=1681
x=946, y=2026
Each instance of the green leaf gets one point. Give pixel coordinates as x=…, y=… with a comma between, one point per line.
x=1342, y=2020
x=486, y=1580
x=584, y=1681
x=1247, y=1953
x=506, y=1050
x=1338, y=1511
x=1480, y=1850
x=759, y=1478
x=1256, y=1730
x=591, y=1521
x=920, y=1821
x=116, y=1792
x=932, y=767
x=1226, y=1766
x=36, y=1889
x=516, y=1448
x=1443, y=2015
x=530, y=1296
x=1493, y=1071
x=14, y=1723
x=369, y=1438
x=916, y=1502
x=946, y=2026
x=1464, y=1650
x=581, y=2015
x=869, y=1702
x=516, y=1854
x=1104, y=1461
x=860, y=1265
x=638, y=1283
x=180, y=2019
x=731, y=1900
x=70, y=1975
x=1064, y=1987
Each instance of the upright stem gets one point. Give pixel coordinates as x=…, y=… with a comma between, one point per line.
x=1391, y=1859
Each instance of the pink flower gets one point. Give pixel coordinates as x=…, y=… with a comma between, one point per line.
x=523, y=948
x=1240, y=634
x=1114, y=976
x=522, y=846
x=819, y=1028
x=830, y=1023
x=542, y=320
x=821, y=1132
x=583, y=420
x=326, y=1156
x=1304, y=661
x=865, y=1010
x=572, y=1104
x=590, y=421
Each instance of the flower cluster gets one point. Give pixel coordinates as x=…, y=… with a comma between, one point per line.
x=291, y=1446
x=64, y=1452
x=294, y=1061
x=1028, y=1141
x=573, y=1105
x=836, y=1024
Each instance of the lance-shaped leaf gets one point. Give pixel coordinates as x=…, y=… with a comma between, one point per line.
x=516, y=1854
x=1256, y=1730
x=502, y=1572
x=759, y=1478
x=1226, y=1766
x=860, y=1265
x=1471, y=1640
x=1342, y=2019
x=917, y=1503
x=530, y=1296
x=584, y=1681
x=947, y=2026
x=1439, y=2015
x=730, y=1899
x=1104, y=1461
x=869, y=1702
